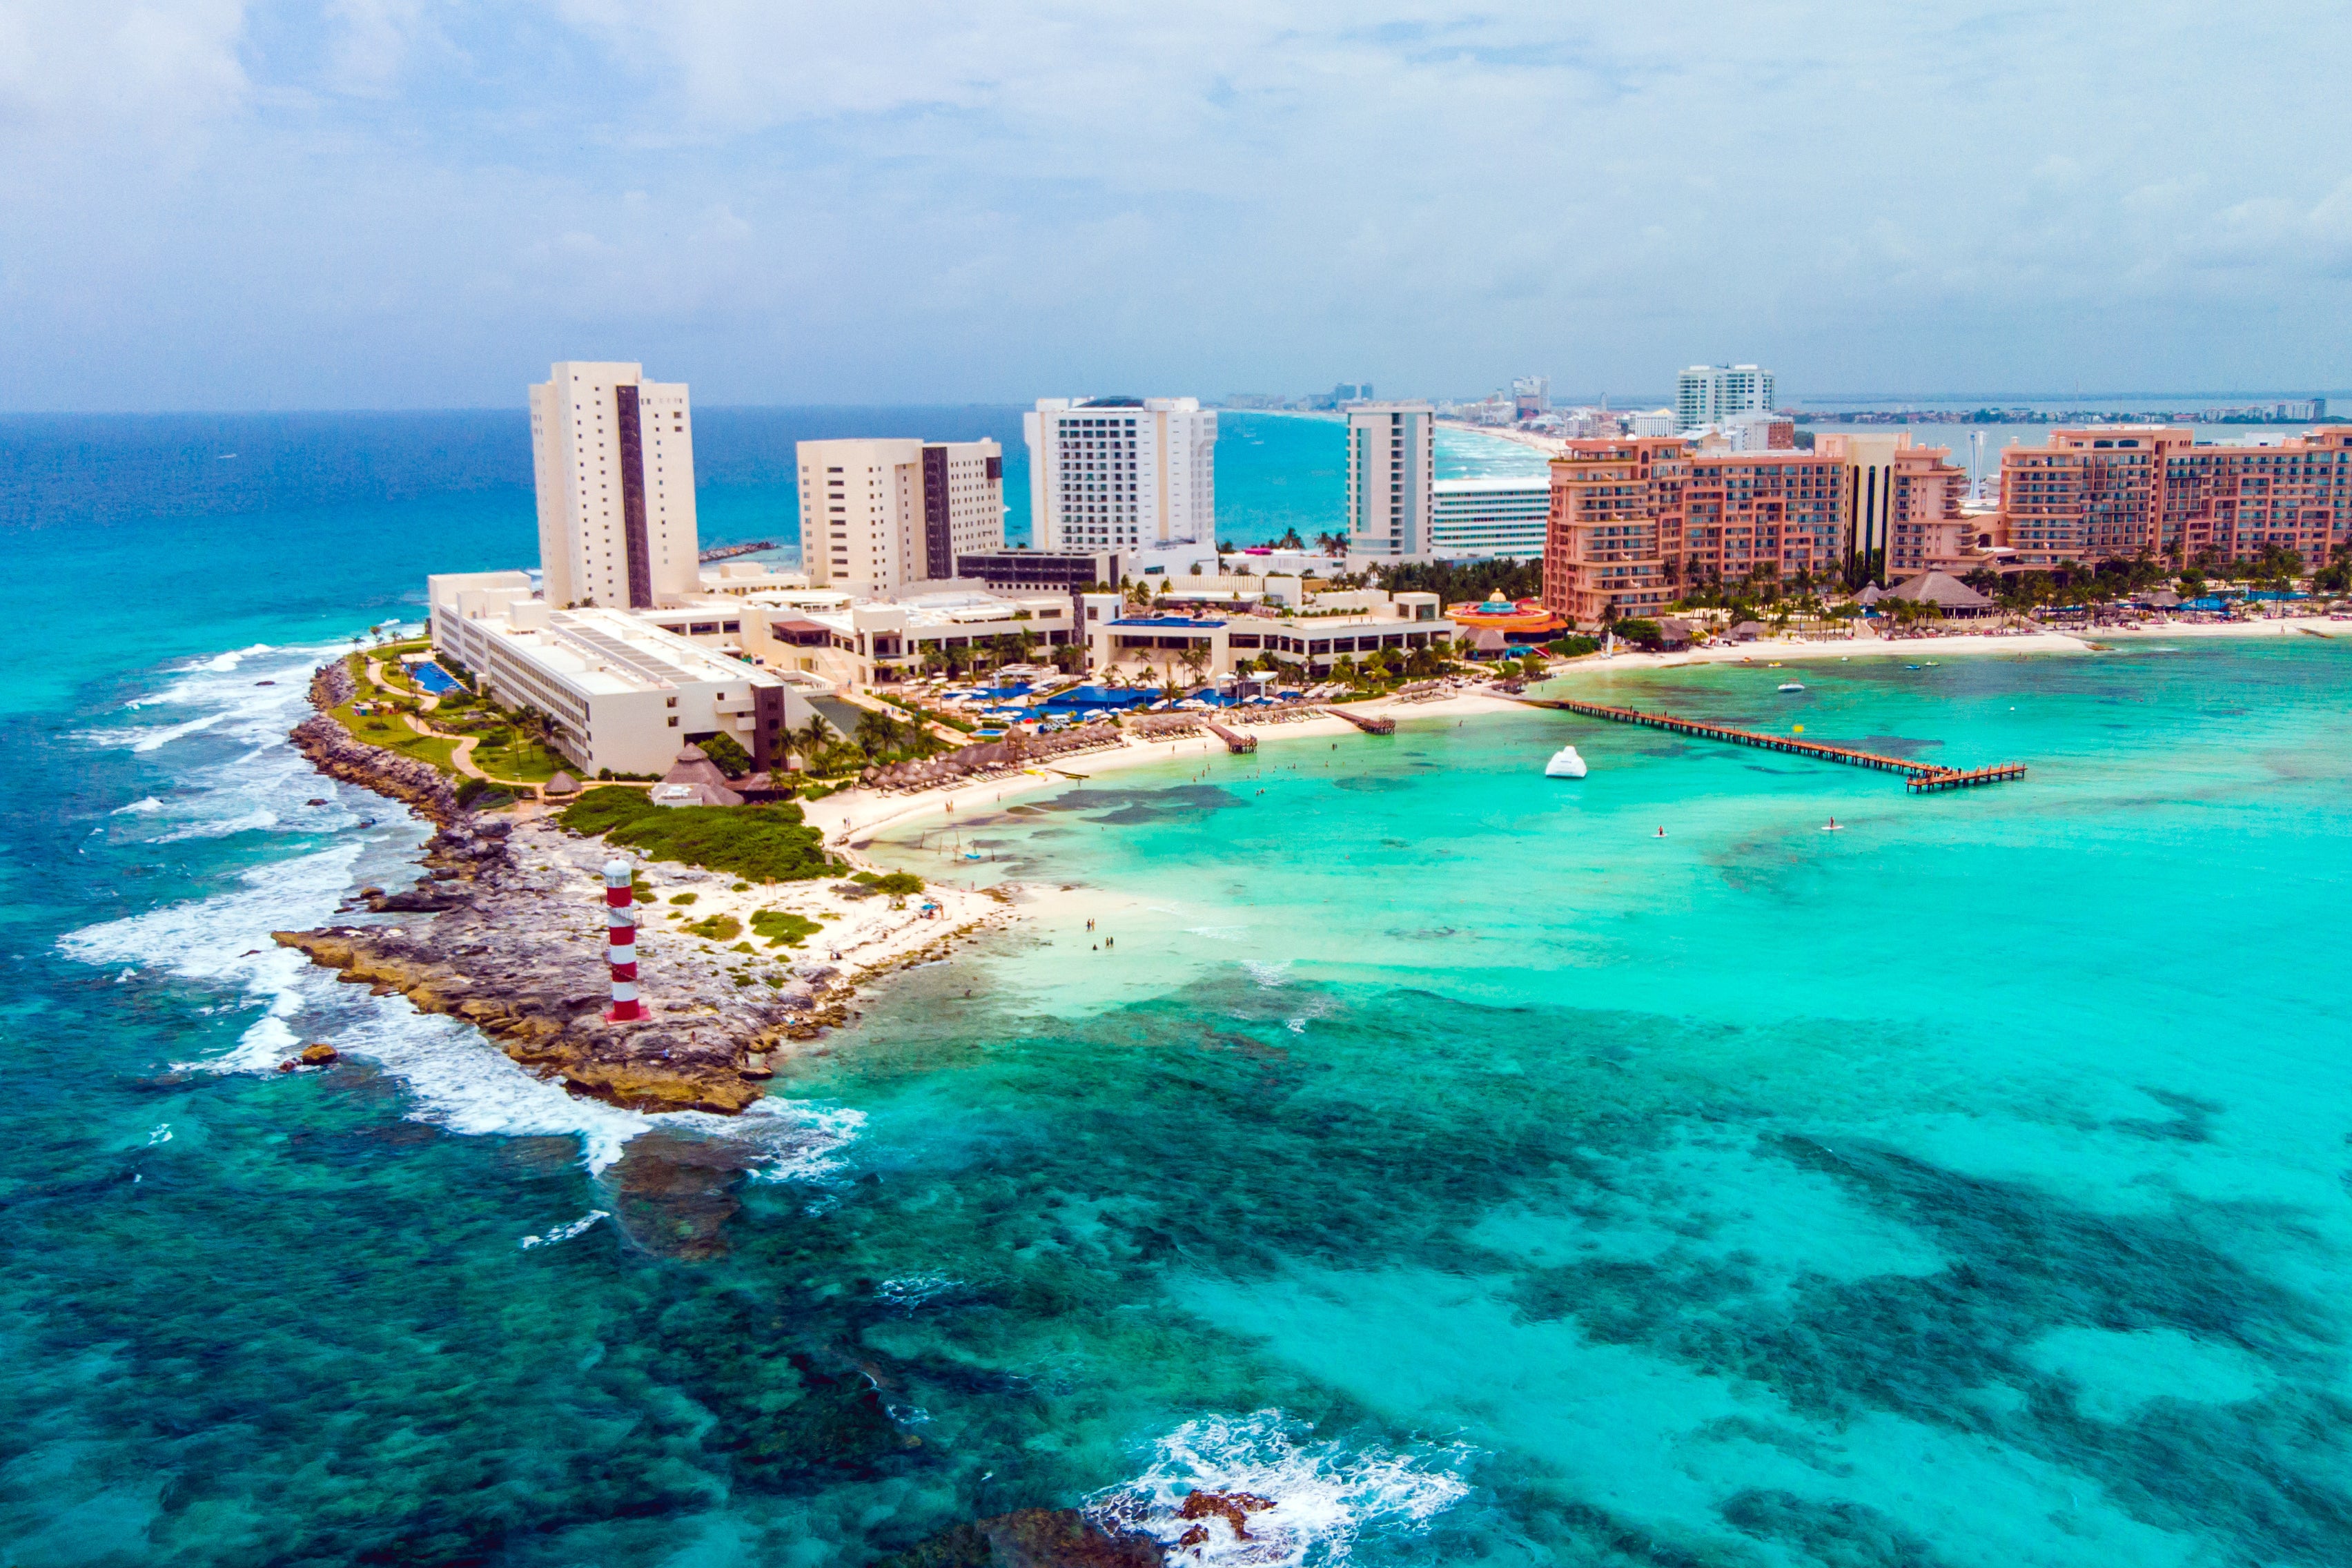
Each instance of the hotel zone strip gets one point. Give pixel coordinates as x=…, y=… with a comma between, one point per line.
x=621, y=941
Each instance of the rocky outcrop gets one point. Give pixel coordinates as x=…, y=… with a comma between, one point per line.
x=337, y=753
x=1234, y=1508
x=510, y=938
x=515, y=946
x=331, y=686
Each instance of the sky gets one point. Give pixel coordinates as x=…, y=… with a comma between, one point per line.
x=362, y=204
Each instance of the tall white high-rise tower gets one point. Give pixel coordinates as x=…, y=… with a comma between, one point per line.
x=1391, y=480
x=1121, y=473
x=1710, y=393
x=614, y=456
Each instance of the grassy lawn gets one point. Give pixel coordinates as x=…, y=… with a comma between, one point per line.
x=388, y=731
x=517, y=757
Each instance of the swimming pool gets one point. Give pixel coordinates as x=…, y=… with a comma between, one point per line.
x=433, y=679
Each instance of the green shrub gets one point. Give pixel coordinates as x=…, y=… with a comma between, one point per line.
x=481, y=795
x=717, y=928
x=900, y=884
x=766, y=842
x=729, y=754
x=685, y=898
x=782, y=927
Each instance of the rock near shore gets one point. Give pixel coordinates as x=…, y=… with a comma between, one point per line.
x=515, y=945
x=337, y=753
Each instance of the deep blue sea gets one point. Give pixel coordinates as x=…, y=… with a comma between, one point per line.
x=1443, y=1152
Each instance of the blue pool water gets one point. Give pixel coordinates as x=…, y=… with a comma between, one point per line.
x=433, y=679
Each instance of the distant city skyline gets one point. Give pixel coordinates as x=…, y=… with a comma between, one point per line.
x=409, y=204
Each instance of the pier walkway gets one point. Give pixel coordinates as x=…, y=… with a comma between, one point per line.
x=1921, y=777
x=1235, y=741
x=1369, y=723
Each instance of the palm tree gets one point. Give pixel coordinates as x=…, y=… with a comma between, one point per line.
x=809, y=740
x=876, y=733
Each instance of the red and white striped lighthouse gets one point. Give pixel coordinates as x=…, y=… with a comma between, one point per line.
x=621, y=941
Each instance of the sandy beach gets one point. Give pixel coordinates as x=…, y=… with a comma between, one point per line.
x=1769, y=650
x=857, y=815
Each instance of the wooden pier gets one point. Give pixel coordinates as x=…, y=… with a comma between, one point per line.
x=1923, y=778
x=1235, y=741
x=1369, y=723
x=1953, y=778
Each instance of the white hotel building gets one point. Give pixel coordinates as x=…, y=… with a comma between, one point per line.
x=876, y=515
x=1710, y=393
x=1391, y=469
x=613, y=455
x=1121, y=473
x=620, y=692
x=1493, y=516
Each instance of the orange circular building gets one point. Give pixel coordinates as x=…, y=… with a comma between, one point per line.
x=1525, y=620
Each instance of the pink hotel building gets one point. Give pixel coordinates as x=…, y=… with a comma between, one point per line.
x=1635, y=520
x=2113, y=492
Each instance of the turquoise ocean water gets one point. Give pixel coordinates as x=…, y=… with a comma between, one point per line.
x=1439, y=1151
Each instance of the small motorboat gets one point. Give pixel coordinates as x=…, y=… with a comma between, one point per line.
x=1792, y=686
x=1564, y=765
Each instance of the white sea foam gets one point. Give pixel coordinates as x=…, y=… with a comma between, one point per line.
x=565, y=1232
x=1218, y=934
x=139, y=807
x=223, y=695
x=914, y=1290
x=160, y=1133
x=803, y=1140
x=1319, y=1497
x=460, y=1080
x=1269, y=975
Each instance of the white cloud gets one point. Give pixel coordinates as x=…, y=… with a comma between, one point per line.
x=909, y=200
x=92, y=68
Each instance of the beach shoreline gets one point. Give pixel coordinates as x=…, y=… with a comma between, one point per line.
x=851, y=818
x=1769, y=650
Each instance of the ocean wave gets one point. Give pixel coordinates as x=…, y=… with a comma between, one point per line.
x=1271, y=1499
x=1268, y=974
x=461, y=1081
x=803, y=1140
x=221, y=664
x=565, y=1232
x=226, y=696
x=914, y=1290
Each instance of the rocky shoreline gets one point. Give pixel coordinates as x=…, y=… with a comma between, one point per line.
x=513, y=942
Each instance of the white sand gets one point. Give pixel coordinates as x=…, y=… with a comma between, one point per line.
x=856, y=934
x=1938, y=644
x=858, y=814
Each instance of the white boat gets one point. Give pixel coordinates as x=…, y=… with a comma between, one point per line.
x=1792, y=686
x=1564, y=765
